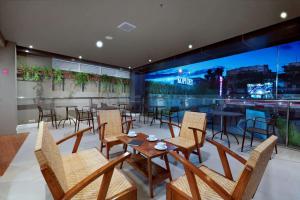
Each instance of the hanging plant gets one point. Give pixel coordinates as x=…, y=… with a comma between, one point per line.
x=105, y=82
x=47, y=72
x=58, y=76
x=118, y=85
x=36, y=75
x=81, y=78
x=26, y=73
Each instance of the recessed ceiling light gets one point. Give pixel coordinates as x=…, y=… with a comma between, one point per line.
x=108, y=37
x=80, y=57
x=99, y=44
x=283, y=15
x=190, y=46
x=150, y=60
x=30, y=46
x=27, y=51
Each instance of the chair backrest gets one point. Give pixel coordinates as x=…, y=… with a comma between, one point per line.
x=258, y=161
x=113, y=120
x=48, y=154
x=195, y=120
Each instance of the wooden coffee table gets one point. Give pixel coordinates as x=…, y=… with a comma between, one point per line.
x=142, y=160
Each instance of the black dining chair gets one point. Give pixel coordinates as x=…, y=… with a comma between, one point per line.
x=47, y=113
x=84, y=115
x=252, y=126
x=170, y=114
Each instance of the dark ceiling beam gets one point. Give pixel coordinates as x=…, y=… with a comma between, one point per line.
x=22, y=51
x=2, y=40
x=277, y=34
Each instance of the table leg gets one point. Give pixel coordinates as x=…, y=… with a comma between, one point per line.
x=225, y=129
x=150, y=177
x=168, y=166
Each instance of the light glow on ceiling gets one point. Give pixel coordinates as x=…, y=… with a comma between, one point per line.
x=283, y=15
x=99, y=44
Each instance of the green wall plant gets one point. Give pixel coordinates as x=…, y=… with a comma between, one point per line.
x=58, y=76
x=81, y=78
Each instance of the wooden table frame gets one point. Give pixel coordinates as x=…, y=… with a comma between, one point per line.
x=142, y=161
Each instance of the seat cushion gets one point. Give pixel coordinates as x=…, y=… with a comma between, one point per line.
x=80, y=165
x=182, y=142
x=205, y=191
x=113, y=138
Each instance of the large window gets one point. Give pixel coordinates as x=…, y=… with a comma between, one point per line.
x=267, y=73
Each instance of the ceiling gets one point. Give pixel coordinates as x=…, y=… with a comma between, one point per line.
x=164, y=28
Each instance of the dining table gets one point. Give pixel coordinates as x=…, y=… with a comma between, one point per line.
x=67, y=116
x=224, y=129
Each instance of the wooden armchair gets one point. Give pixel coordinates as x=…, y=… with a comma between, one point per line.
x=83, y=175
x=204, y=183
x=110, y=127
x=192, y=134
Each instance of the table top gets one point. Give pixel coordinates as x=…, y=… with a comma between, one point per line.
x=65, y=106
x=147, y=148
x=225, y=113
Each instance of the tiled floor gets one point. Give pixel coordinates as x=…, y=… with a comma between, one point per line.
x=23, y=179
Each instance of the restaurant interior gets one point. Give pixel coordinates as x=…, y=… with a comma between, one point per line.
x=156, y=99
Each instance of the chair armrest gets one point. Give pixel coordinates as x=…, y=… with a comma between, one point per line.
x=222, y=150
x=192, y=170
x=101, y=134
x=78, y=138
x=196, y=135
x=170, y=124
x=227, y=150
x=106, y=171
x=263, y=120
x=128, y=122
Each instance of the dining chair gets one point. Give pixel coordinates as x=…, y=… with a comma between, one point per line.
x=110, y=127
x=260, y=126
x=83, y=115
x=206, y=184
x=170, y=114
x=47, y=113
x=192, y=133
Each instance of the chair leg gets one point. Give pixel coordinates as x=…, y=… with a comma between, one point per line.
x=107, y=151
x=244, y=136
x=75, y=124
x=101, y=146
x=78, y=125
x=199, y=154
x=55, y=121
x=125, y=149
x=52, y=120
x=186, y=155
x=93, y=125
x=252, y=136
x=39, y=121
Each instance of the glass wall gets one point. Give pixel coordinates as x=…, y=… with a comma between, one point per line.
x=263, y=80
x=268, y=73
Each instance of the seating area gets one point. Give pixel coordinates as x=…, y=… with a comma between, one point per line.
x=142, y=100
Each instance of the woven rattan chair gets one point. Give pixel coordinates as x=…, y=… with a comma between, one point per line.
x=192, y=134
x=204, y=183
x=110, y=127
x=80, y=175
